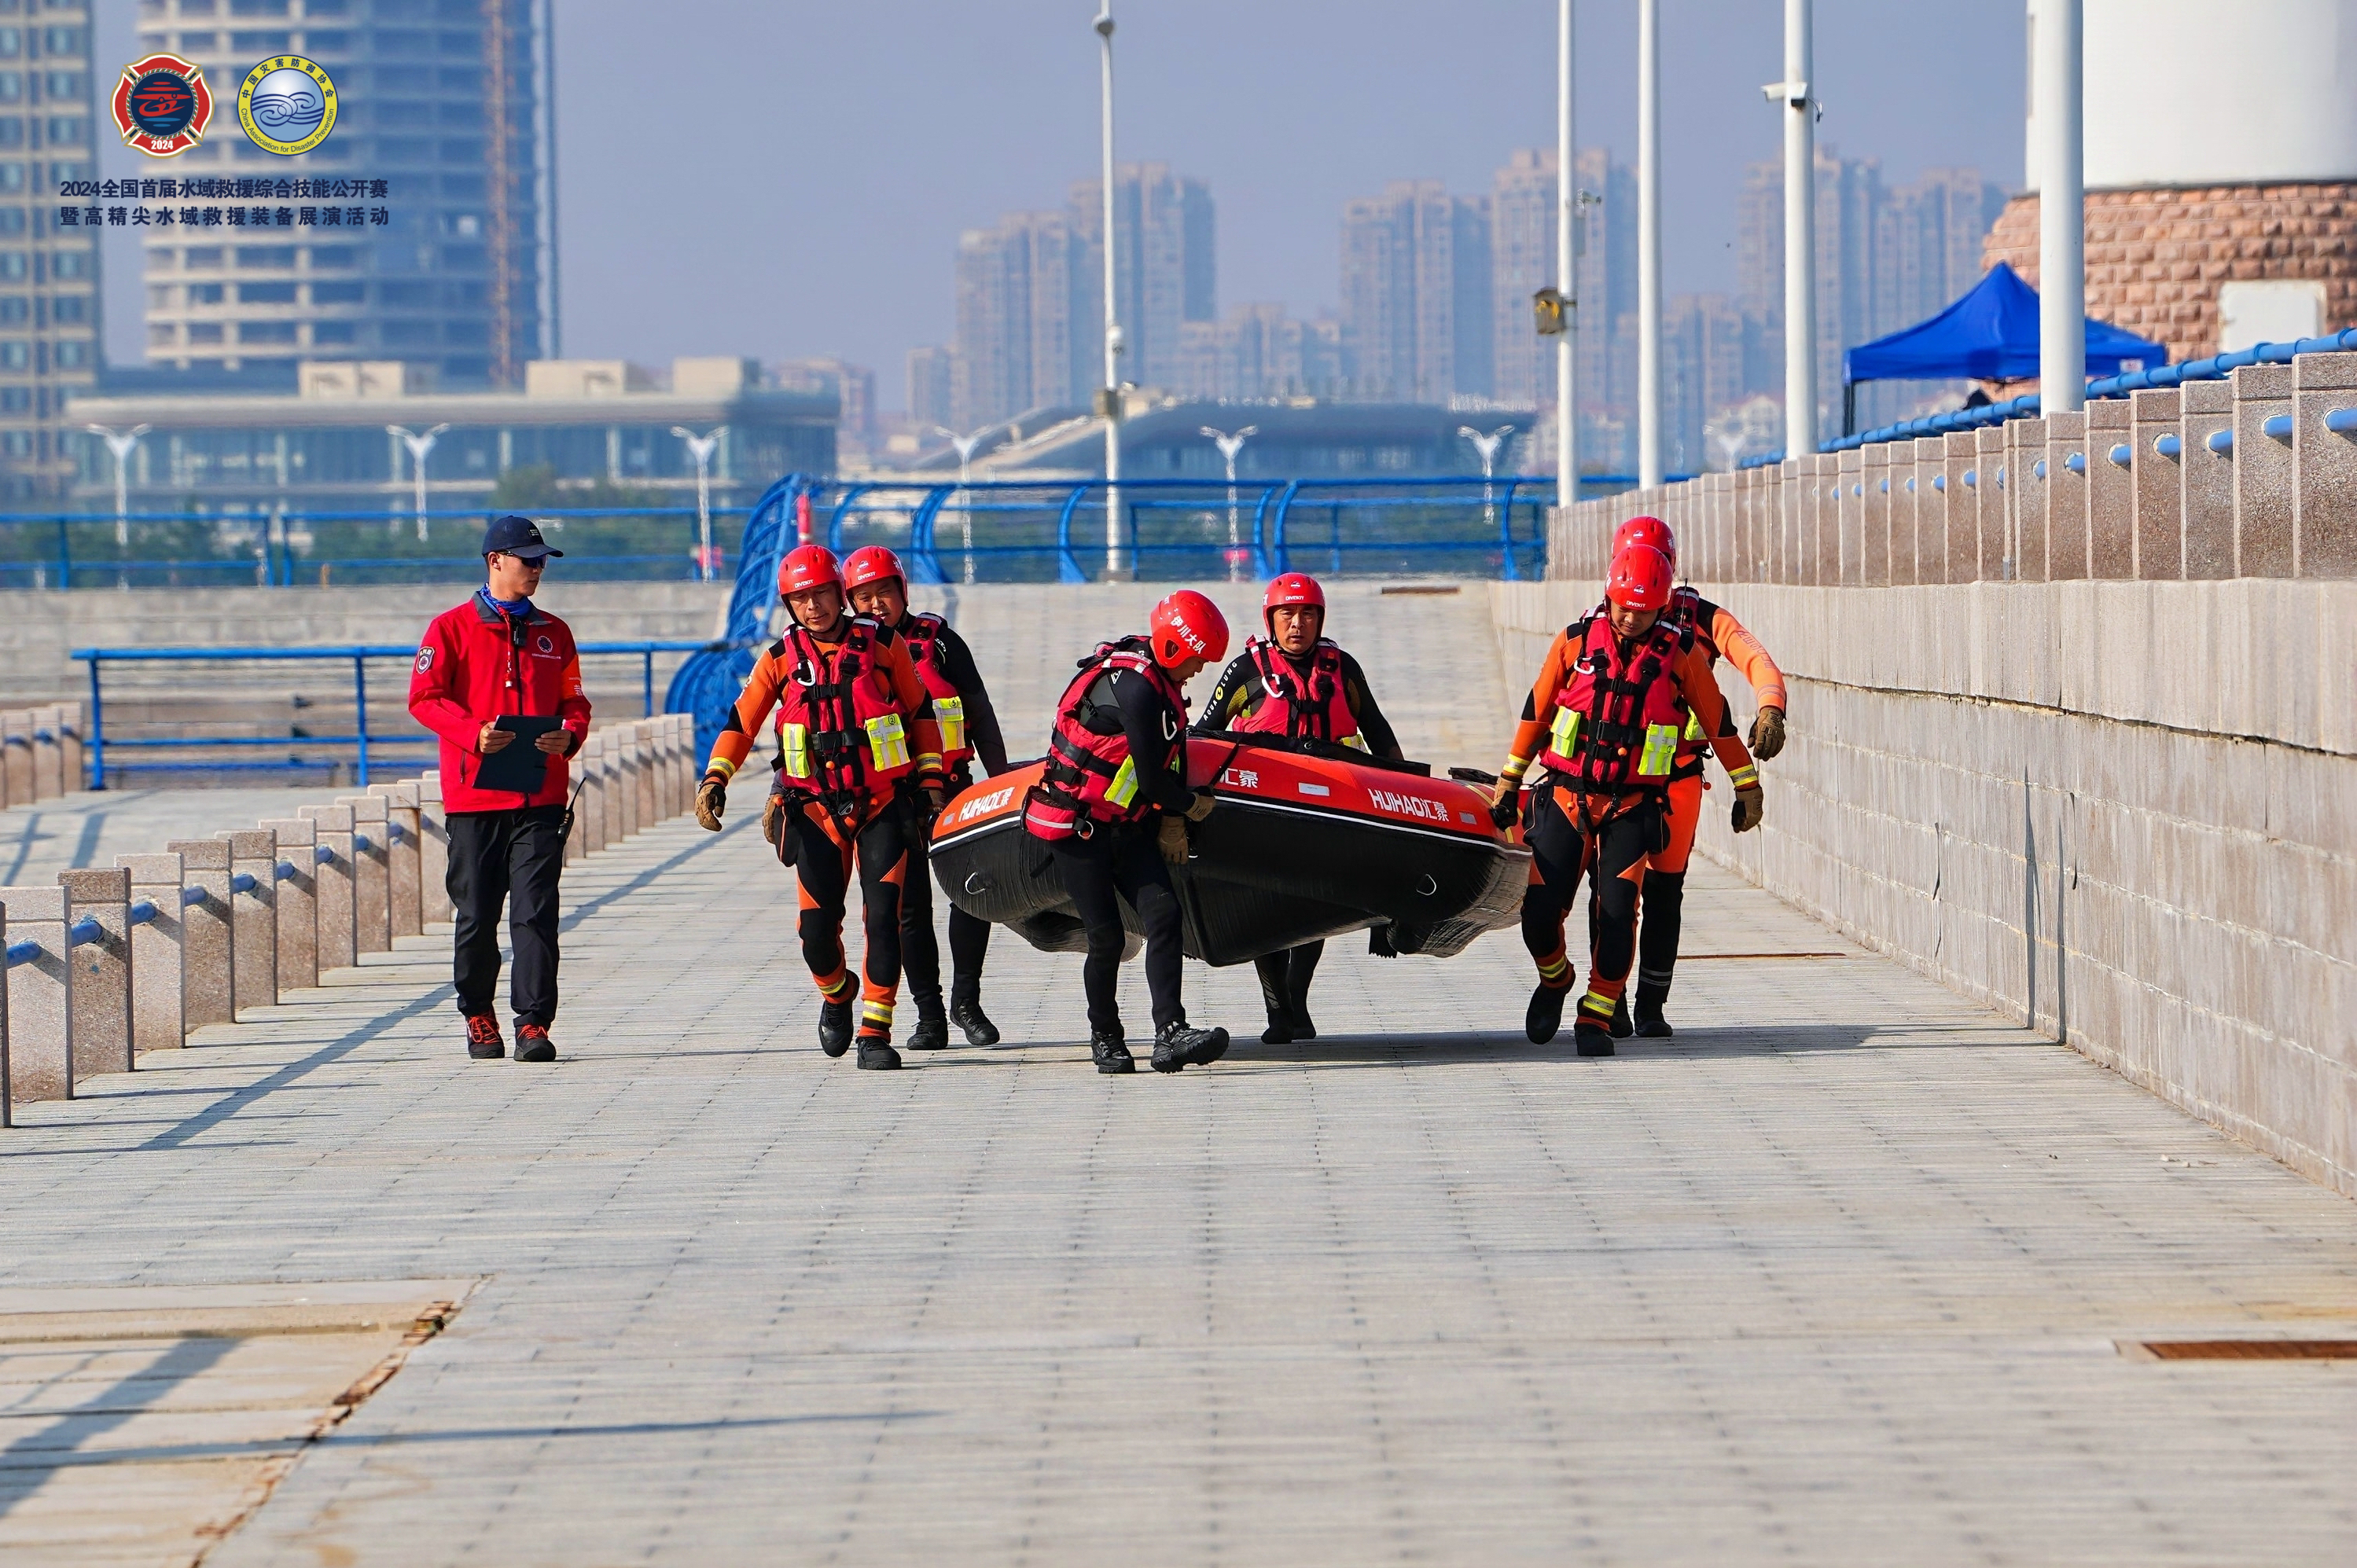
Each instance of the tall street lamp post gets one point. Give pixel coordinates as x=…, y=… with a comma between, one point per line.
x=1567, y=267
x=1109, y=399
x=702, y=447
x=1649, y=242
x=1487, y=445
x=1796, y=94
x=121, y=443
x=965, y=445
x=419, y=446
x=1229, y=445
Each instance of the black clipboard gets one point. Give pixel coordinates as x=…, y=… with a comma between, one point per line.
x=520, y=765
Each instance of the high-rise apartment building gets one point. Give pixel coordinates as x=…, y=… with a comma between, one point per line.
x=1886, y=259
x=48, y=272
x=1030, y=292
x=450, y=103
x=1416, y=293
x=1259, y=351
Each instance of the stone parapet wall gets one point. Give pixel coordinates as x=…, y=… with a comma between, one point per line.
x=2155, y=258
x=2126, y=813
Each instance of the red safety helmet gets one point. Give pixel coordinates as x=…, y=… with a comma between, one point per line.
x=1647, y=530
x=808, y=567
x=1293, y=589
x=1184, y=626
x=1640, y=579
x=872, y=564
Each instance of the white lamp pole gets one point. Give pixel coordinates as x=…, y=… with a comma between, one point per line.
x=121, y=443
x=419, y=446
x=702, y=447
x=1112, y=340
x=2060, y=151
x=1567, y=267
x=1229, y=445
x=1487, y=446
x=1649, y=242
x=1796, y=94
x=965, y=445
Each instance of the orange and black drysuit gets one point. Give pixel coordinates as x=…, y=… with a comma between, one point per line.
x=1320, y=695
x=1718, y=634
x=854, y=722
x=1606, y=714
x=970, y=732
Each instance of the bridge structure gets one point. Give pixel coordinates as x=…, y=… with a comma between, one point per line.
x=1976, y=1213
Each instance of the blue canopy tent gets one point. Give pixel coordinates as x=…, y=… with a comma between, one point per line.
x=1989, y=335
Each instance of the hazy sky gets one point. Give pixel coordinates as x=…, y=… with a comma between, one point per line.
x=787, y=178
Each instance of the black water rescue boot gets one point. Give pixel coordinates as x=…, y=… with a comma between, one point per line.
x=1591, y=1035
x=932, y=1030
x=1111, y=1052
x=1271, y=968
x=1546, y=1014
x=834, y=1026
x=1184, y=1045
x=965, y=1012
x=1650, y=1025
x=877, y=1054
x=1622, y=1027
x=1301, y=968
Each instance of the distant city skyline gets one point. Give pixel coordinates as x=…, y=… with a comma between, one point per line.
x=825, y=228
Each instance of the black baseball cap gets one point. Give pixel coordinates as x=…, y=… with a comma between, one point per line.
x=517, y=536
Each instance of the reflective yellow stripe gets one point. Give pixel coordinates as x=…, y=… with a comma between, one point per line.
x=1596, y=1005
x=1694, y=725
x=1123, y=790
x=722, y=765
x=1554, y=971
x=951, y=713
x=1745, y=777
x=888, y=742
x=793, y=740
x=879, y=1013
x=1565, y=737
x=1660, y=750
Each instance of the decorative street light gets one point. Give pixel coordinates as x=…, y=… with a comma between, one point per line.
x=121, y=443
x=701, y=448
x=1109, y=399
x=1229, y=446
x=1487, y=446
x=965, y=445
x=419, y=445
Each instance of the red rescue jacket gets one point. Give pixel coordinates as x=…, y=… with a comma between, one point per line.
x=1090, y=780
x=1618, y=719
x=1313, y=707
x=475, y=664
x=924, y=635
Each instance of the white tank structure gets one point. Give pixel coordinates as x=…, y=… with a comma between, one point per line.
x=2221, y=169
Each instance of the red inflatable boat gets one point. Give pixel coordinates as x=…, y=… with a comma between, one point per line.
x=1308, y=840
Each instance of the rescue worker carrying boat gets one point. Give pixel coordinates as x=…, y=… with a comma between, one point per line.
x=1612, y=698
x=1662, y=907
x=854, y=722
x=1297, y=683
x=878, y=588
x=1113, y=808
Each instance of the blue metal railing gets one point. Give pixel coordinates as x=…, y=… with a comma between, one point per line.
x=2217, y=367
x=282, y=548
x=365, y=741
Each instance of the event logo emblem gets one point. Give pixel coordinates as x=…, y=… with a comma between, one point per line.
x=162, y=106
x=286, y=104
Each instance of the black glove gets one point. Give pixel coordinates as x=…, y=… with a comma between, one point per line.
x=1507, y=807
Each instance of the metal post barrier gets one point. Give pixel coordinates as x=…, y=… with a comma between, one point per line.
x=208, y=935
x=338, y=903
x=433, y=851
x=648, y=676
x=371, y=873
x=360, y=711
x=253, y=903
x=158, y=1016
x=49, y=754
x=404, y=831
x=16, y=756
x=298, y=901
x=41, y=994
x=97, y=780
x=98, y=935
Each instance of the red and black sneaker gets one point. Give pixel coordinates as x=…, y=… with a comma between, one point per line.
x=532, y=1043
x=483, y=1041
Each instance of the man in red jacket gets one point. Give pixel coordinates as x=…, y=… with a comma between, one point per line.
x=500, y=657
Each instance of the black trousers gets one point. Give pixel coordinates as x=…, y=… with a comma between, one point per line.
x=512, y=859
x=1284, y=977
x=920, y=953
x=1099, y=872
x=1562, y=854
x=824, y=857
